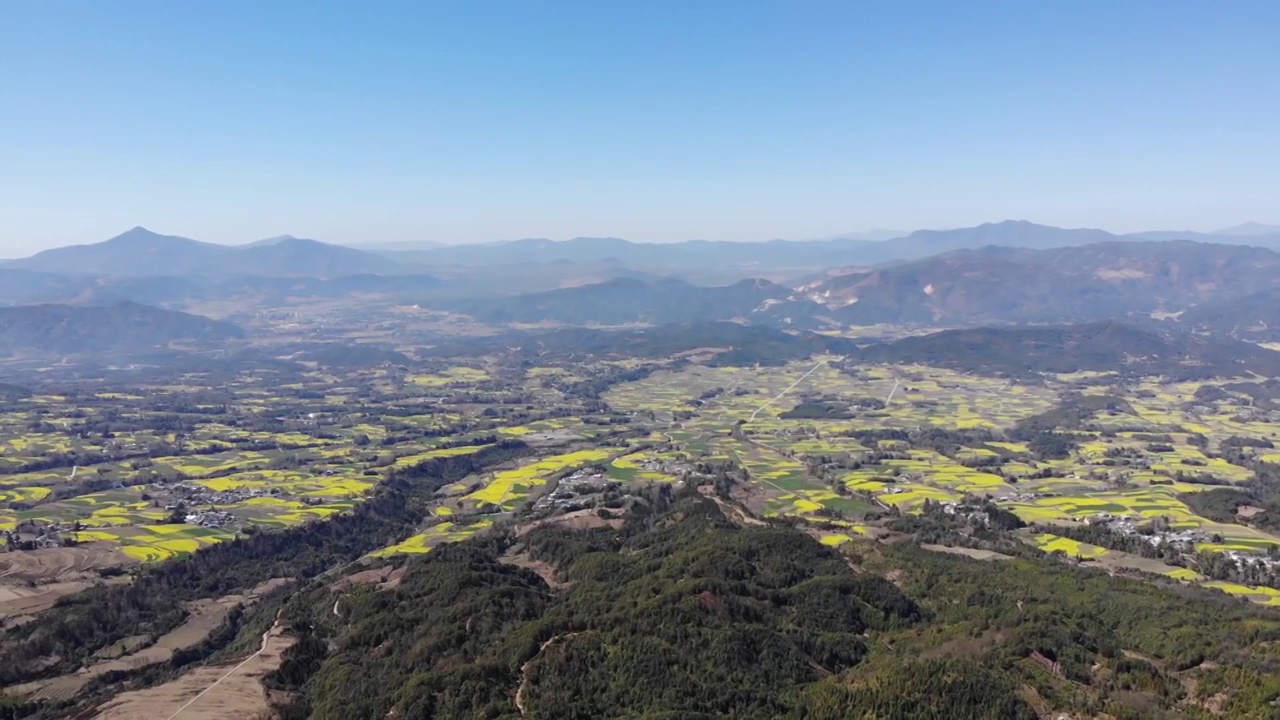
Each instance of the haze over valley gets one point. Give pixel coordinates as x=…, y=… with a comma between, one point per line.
x=393, y=463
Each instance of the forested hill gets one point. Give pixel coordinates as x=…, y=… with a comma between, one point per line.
x=627, y=300
x=1071, y=284
x=1253, y=317
x=681, y=614
x=691, y=618
x=126, y=326
x=1101, y=346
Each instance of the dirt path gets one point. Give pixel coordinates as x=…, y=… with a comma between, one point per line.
x=524, y=671
x=212, y=692
x=544, y=570
x=790, y=387
x=735, y=515
x=204, y=616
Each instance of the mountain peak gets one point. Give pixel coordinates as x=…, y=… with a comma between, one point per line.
x=277, y=240
x=1248, y=229
x=139, y=235
x=134, y=232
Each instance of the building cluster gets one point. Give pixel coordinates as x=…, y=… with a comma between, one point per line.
x=674, y=468
x=973, y=514
x=43, y=537
x=190, y=493
x=1184, y=540
x=571, y=489
x=210, y=518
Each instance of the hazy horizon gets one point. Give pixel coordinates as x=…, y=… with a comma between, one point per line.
x=657, y=123
x=392, y=243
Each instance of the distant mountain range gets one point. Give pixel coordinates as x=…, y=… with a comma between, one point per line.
x=1249, y=229
x=1100, y=346
x=1005, y=272
x=141, y=252
x=123, y=327
x=996, y=284
x=623, y=301
x=1002, y=285
x=780, y=256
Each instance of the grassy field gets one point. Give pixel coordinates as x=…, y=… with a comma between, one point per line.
x=438, y=534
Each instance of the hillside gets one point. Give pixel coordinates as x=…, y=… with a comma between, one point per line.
x=140, y=252
x=991, y=284
x=624, y=301
x=1253, y=317
x=1101, y=346
x=680, y=614
x=21, y=287
x=124, y=327
x=1001, y=284
x=1010, y=233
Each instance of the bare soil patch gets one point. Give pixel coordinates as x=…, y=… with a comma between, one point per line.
x=1248, y=511
x=974, y=553
x=735, y=514
x=61, y=564
x=393, y=580
x=543, y=569
x=19, y=603
x=374, y=576
x=576, y=520
x=204, y=617
x=231, y=690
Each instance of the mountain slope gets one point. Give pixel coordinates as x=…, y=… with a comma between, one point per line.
x=1010, y=233
x=1000, y=284
x=64, y=329
x=1102, y=346
x=134, y=252
x=1253, y=317
x=1249, y=229
x=140, y=252
x=22, y=287
x=308, y=258
x=624, y=300
x=680, y=614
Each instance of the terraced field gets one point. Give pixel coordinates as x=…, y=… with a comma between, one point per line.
x=509, y=489
x=434, y=536
x=236, y=459
x=1133, y=461
x=1073, y=548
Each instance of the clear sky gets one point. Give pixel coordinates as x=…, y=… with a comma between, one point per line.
x=659, y=120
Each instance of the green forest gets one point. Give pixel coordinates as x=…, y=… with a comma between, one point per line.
x=683, y=614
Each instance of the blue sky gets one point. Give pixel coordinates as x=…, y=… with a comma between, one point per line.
x=663, y=120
